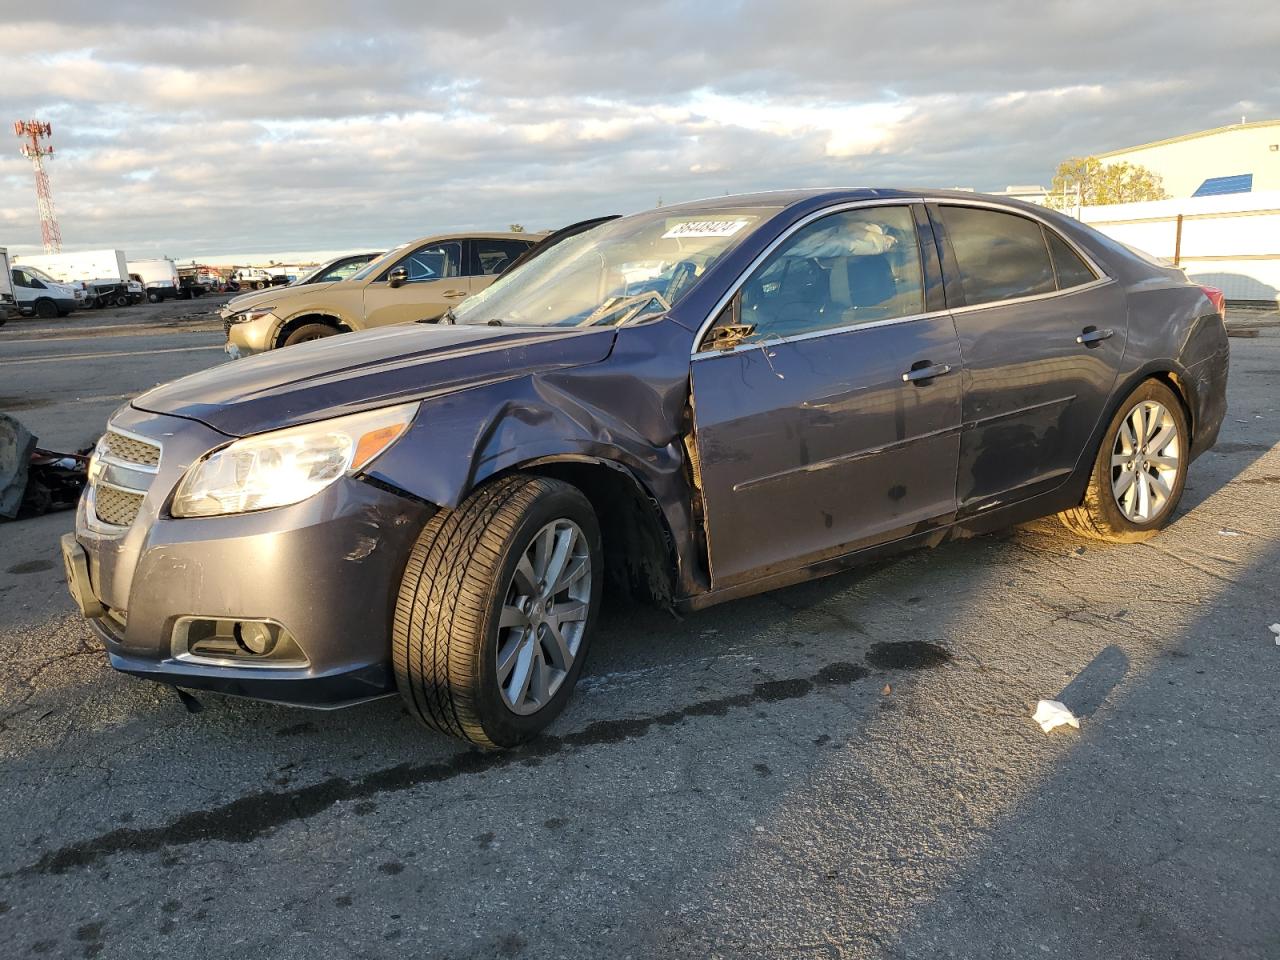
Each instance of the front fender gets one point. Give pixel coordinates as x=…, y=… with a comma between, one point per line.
x=624, y=411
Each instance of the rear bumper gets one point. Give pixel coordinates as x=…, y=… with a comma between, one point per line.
x=327, y=569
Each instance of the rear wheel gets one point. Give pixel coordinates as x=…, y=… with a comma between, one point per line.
x=308, y=331
x=495, y=610
x=1140, y=470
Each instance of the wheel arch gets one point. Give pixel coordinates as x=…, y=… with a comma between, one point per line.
x=639, y=550
x=310, y=316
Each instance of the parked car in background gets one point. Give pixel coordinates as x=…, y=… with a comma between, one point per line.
x=101, y=275
x=159, y=277
x=252, y=278
x=38, y=294
x=417, y=281
x=698, y=402
x=340, y=268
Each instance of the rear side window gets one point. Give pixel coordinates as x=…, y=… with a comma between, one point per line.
x=1071, y=270
x=494, y=256
x=1001, y=256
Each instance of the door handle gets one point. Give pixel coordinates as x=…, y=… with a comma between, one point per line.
x=453, y=294
x=924, y=370
x=1092, y=335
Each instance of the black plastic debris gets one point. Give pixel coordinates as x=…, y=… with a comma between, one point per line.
x=34, y=481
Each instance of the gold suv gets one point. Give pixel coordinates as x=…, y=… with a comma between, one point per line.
x=417, y=281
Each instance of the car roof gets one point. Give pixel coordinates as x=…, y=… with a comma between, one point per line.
x=787, y=198
x=529, y=235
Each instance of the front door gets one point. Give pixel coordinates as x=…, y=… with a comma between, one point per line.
x=834, y=424
x=1042, y=333
x=433, y=283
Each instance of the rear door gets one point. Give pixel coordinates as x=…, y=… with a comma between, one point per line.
x=834, y=425
x=435, y=282
x=1042, y=330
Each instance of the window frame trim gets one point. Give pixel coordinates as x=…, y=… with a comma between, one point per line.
x=698, y=353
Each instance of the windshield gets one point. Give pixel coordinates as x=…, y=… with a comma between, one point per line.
x=372, y=266
x=39, y=274
x=341, y=269
x=618, y=272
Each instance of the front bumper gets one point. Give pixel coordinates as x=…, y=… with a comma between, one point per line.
x=246, y=339
x=327, y=569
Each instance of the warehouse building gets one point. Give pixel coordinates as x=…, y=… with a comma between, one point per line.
x=1241, y=158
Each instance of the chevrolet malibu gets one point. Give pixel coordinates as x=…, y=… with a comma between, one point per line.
x=695, y=403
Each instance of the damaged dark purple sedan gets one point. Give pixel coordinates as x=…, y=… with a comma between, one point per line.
x=695, y=403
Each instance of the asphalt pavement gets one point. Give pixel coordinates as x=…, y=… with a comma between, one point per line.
x=842, y=769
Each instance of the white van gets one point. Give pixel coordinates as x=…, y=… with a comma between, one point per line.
x=159, y=276
x=8, y=305
x=39, y=294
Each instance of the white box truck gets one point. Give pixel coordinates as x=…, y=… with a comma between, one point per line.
x=103, y=274
x=8, y=303
x=159, y=277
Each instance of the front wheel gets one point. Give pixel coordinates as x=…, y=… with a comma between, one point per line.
x=46, y=309
x=308, y=332
x=1140, y=470
x=495, y=610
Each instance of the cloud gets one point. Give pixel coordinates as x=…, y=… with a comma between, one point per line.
x=316, y=126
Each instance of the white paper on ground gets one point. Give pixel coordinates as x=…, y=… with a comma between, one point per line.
x=1051, y=713
x=1275, y=628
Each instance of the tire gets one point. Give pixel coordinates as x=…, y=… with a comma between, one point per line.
x=1105, y=514
x=122, y=300
x=153, y=297
x=46, y=309
x=309, y=331
x=461, y=577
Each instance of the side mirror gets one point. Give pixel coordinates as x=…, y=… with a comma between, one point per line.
x=398, y=277
x=730, y=335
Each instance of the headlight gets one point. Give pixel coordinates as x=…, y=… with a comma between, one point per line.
x=253, y=313
x=287, y=466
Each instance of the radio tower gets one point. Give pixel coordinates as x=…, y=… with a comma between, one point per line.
x=32, y=132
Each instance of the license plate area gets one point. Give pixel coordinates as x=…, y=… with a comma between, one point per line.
x=76, y=562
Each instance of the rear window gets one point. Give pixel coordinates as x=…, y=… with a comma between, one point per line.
x=1071, y=270
x=1001, y=256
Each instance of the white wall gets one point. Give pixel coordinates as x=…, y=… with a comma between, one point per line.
x=1230, y=241
x=1184, y=164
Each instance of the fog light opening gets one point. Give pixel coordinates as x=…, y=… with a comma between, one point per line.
x=256, y=639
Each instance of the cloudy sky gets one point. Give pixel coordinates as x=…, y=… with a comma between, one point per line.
x=280, y=127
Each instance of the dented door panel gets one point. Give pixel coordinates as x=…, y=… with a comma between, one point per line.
x=816, y=447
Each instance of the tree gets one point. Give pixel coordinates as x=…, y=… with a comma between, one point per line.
x=1089, y=181
x=516, y=227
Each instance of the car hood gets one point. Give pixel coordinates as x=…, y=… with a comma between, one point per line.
x=360, y=371
x=271, y=296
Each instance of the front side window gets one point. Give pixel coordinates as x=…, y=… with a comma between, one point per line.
x=494, y=256
x=436, y=261
x=859, y=266
x=619, y=272
x=1001, y=256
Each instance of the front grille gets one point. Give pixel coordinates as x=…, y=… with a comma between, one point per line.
x=124, y=470
x=117, y=507
x=130, y=449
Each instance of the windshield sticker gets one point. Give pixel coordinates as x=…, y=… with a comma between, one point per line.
x=704, y=228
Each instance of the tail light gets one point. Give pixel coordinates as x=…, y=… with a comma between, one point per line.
x=1217, y=298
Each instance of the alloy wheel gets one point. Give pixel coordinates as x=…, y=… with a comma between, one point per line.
x=1145, y=461
x=544, y=616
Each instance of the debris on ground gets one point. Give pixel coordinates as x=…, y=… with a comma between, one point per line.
x=1228, y=532
x=1275, y=628
x=1050, y=714
x=35, y=481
